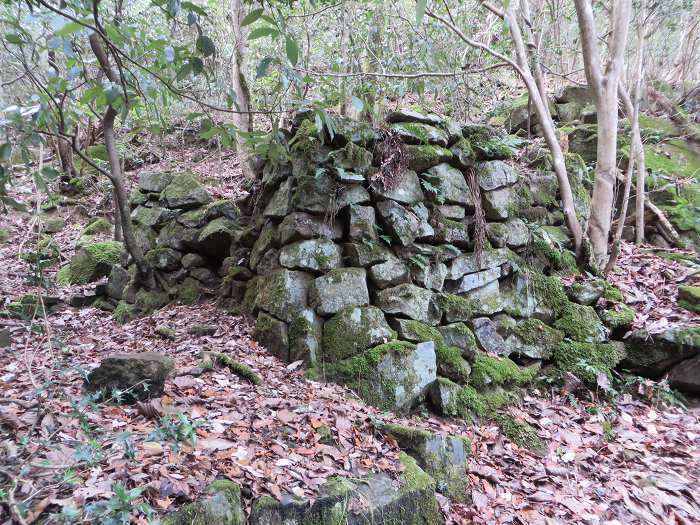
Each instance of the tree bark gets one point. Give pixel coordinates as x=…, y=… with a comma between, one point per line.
x=604, y=86
x=239, y=65
x=122, y=211
x=684, y=54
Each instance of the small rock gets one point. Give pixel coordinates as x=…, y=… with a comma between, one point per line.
x=137, y=376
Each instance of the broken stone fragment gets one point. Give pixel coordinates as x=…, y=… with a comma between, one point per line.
x=135, y=377
x=410, y=301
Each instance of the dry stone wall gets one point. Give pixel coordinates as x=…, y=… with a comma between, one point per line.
x=354, y=252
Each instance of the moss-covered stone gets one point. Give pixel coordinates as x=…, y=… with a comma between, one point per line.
x=586, y=360
x=422, y=157
x=450, y=363
x=189, y=291
x=354, y=330
x=185, y=191
x=534, y=339
x=91, y=262
x=97, y=225
x=581, y=323
x=221, y=505
x=689, y=298
x=490, y=371
x=209, y=359
x=456, y=307
x=124, y=312
x=617, y=316
x=520, y=432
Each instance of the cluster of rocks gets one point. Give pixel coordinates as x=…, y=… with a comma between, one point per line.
x=368, y=274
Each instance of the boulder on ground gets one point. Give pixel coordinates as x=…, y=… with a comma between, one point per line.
x=135, y=377
x=91, y=262
x=685, y=376
x=652, y=355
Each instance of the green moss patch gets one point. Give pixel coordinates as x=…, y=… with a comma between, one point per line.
x=91, y=262
x=689, y=298
x=586, y=360
x=489, y=371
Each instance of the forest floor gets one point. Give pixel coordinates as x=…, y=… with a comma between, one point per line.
x=626, y=460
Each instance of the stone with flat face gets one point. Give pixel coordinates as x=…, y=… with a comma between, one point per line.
x=497, y=203
x=298, y=226
x=495, y=174
x=272, y=334
x=450, y=185
x=353, y=330
x=280, y=204
x=282, y=293
x=419, y=133
x=468, y=263
x=337, y=289
x=407, y=191
x=474, y=280
x=389, y=273
x=318, y=255
x=488, y=337
x=362, y=223
x=185, y=191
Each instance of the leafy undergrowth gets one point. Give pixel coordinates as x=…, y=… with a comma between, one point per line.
x=290, y=434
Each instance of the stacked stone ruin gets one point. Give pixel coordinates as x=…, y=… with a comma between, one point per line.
x=354, y=252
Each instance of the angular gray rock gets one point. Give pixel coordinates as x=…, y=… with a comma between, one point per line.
x=283, y=292
x=319, y=255
x=362, y=223
x=367, y=253
x=474, y=280
x=410, y=301
x=389, y=273
x=452, y=211
x=419, y=133
x=153, y=216
x=185, y=191
x=467, y=263
x=337, y=289
x=216, y=237
x=352, y=194
x=407, y=191
x=409, y=115
x=280, y=205
x=401, y=224
x=513, y=233
x=654, y=355
x=305, y=337
x=495, y=174
x=497, y=203
x=431, y=275
x=154, y=182
x=165, y=259
x=450, y=184
x=299, y=226
x=488, y=337
x=443, y=396
x=460, y=336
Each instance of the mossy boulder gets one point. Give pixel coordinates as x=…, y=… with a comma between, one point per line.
x=689, y=298
x=652, y=355
x=152, y=216
x=413, y=503
x=423, y=157
x=220, y=505
x=443, y=457
x=419, y=133
x=354, y=330
x=488, y=371
x=92, y=262
x=534, y=339
x=587, y=360
x=165, y=259
x=154, y=182
x=97, y=225
x=618, y=315
x=305, y=337
x=136, y=376
x=392, y=376
x=581, y=323
x=185, y=191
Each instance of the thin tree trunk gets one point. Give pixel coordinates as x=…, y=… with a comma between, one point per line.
x=636, y=135
x=121, y=199
x=684, y=54
x=605, y=88
x=242, y=121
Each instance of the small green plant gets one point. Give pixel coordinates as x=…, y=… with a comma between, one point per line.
x=44, y=254
x=118, y=509
x=435, y=190
x=176, y=429
x=420, y=261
